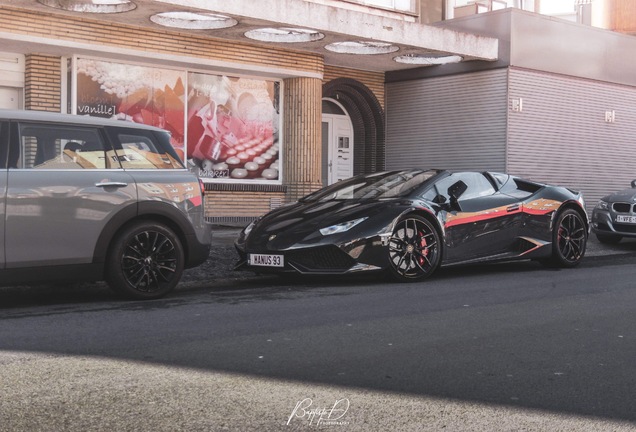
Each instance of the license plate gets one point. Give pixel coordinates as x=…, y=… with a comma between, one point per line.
x=267, y=260
x=626, y=219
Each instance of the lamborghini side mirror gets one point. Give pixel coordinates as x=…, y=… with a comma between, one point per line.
x=456, y=190
x=439, y=199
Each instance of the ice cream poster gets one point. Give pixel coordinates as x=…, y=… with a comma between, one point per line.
x=142, y=94
x=233, y=127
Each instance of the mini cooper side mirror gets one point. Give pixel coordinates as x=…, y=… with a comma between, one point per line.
x=634, y=184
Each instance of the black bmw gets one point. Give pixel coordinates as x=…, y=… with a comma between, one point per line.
x=410, y=222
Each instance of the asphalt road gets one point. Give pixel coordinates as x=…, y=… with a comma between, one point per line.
x=508, y=347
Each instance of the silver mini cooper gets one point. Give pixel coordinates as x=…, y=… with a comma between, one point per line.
x=84, y=198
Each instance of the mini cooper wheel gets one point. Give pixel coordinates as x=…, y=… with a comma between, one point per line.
x=414, y=249
x=145, y=261
x=569, y=239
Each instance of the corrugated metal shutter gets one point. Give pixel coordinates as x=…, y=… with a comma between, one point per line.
x=456, y=122
x=561, y=135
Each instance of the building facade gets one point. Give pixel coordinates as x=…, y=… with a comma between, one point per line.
x=265, y=103
x=268, y=103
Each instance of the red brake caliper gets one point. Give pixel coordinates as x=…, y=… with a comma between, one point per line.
x=424, y=250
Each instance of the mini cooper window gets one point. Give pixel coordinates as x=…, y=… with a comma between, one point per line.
x=140, y=152
x=43, y=146
x=4, y=144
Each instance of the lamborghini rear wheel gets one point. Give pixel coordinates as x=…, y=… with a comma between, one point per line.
x=414, y=249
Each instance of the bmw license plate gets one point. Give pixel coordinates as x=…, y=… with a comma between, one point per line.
x=267, y=260
x=626, y=219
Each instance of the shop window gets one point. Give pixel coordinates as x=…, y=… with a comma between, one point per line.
x=226, y=128
x=233, y=127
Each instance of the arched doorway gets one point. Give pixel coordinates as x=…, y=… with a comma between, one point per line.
x=337, y=142
x=367, y=120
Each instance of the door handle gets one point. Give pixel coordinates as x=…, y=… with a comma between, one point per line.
x=111, y=184
x=513, y=208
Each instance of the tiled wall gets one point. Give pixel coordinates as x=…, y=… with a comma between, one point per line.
x=42, y=83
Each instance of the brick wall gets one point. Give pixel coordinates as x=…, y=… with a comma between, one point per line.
x=42, y=83
x=373, y=80
x=240, y=208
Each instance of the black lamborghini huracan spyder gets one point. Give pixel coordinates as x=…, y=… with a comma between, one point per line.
x=411, y=222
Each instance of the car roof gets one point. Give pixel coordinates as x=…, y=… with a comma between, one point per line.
x=45, y=116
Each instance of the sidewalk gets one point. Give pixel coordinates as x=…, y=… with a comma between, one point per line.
x=225, y=236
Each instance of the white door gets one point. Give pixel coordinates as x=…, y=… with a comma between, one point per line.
x=337, y=147
x=342, y=149
x=10, y=98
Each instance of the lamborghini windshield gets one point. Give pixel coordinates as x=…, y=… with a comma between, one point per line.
x=381, y=185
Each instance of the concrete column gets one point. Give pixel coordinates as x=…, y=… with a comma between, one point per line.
x=302, y=145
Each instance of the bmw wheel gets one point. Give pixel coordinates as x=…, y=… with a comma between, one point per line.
x=569, y=239
x=414, y=249
x=145, y=261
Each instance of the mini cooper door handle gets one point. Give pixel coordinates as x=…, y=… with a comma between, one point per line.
x=513, y=208
x=111, y=184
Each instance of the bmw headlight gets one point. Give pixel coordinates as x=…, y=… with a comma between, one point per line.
x=341, y=227
x=602, y=205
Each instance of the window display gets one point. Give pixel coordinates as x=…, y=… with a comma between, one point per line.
x=142, y=94
x=225, y=127
x=233, y=127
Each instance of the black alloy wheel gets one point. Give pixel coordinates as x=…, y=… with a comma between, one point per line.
x=145, y=262
x=414, y=249
x=569, y=239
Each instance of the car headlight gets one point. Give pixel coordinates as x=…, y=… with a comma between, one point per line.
x=603, y=205
x=248, y=229
x=341, y=227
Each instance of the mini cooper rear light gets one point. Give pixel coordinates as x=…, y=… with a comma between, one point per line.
x=202, y=187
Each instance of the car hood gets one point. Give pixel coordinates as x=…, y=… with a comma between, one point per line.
x=626, y=195
x=300, y=223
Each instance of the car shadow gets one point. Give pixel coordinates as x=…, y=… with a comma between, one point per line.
x=449, y=337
